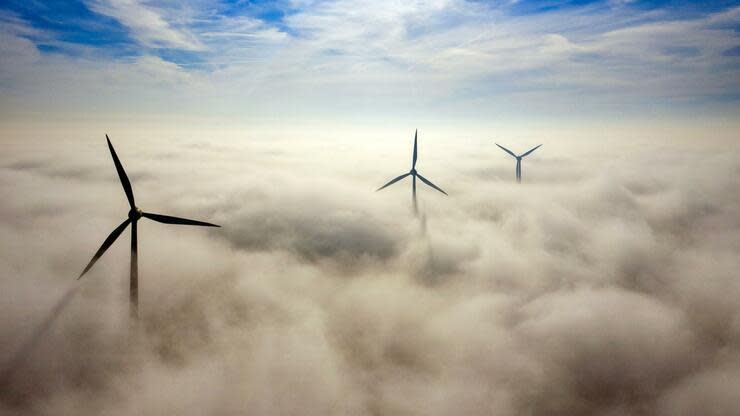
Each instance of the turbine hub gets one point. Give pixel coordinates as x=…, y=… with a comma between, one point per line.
x=134, y=214
x=413, y=172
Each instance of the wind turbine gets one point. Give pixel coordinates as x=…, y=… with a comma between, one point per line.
x=134, y=215
x=518, y=159
x=414, y=174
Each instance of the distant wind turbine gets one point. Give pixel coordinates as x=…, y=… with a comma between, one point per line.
x=134, y=215
x=518, y=159
x=414, y=174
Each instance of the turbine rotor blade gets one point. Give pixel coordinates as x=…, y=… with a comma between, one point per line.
x=426, y=181
x=413, y=162
x=393, y=181
x=531, y=150
x=122, y=175
x=106, y=244
x=505, y=149
x=176, y=220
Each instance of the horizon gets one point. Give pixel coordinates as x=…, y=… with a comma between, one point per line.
x=605, y=283
x=486, y=64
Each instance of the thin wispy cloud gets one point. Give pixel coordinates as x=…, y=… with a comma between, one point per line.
x=147, y=24
x=603, y=284
x=448, y=57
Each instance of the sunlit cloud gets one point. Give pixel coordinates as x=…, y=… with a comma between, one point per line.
x=604, y=284
x=446, y=57
x=147, y=24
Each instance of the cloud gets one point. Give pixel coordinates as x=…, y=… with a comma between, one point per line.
x=317, y=232
x=446, y=59
x=146, y=23
x=711, y=389
x=595, y=287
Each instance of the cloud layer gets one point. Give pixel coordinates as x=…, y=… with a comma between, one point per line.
x=602, y=285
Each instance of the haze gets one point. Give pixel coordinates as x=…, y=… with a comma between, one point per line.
x=606, y=283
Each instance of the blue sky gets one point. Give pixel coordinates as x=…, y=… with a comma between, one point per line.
x=452, y=59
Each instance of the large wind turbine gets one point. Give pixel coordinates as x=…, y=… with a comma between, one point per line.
x=414, y=174
x=518, y=159
x=134, y=215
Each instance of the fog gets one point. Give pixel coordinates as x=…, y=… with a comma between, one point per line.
x=606, y=283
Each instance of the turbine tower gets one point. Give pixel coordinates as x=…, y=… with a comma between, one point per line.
x=134, y=215
x=414, y=174
x=518, y=160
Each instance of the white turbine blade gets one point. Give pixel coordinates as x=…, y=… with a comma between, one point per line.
x=413, y=161
x=106, y=244
x=531, y=150
x=426, y=181
x=168, y=219
x=393, y=181
x=506, y=150
x=122, y=174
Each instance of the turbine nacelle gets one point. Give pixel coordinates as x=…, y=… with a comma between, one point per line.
x=134, y=214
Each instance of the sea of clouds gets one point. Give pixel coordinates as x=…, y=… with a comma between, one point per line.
x=607, y=283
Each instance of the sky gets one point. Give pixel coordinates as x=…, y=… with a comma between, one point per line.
x=606, y=283
x=488, y=64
